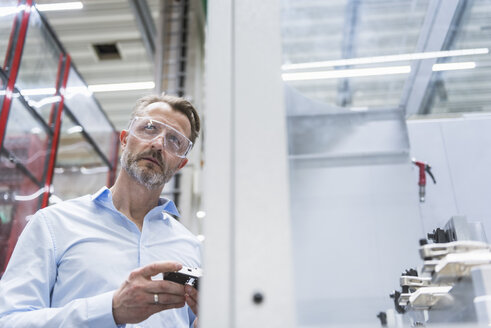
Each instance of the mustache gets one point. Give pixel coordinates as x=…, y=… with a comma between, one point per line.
x=154, y=155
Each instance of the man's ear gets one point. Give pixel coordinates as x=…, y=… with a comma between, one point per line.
x=123, y=136
x=183, y=162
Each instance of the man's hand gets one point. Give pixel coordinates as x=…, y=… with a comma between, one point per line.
x=191, y=295
x=134, y=301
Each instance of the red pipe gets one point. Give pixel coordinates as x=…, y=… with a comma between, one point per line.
x=56, y=132
x=14, y=69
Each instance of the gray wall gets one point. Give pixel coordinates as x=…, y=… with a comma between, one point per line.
x=458, y=151
x=356, y=228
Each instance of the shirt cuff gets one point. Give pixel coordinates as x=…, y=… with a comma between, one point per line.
x=100, y=311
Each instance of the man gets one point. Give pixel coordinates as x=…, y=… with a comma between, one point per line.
x=98, y=260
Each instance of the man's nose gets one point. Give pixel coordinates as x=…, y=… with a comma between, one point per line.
x=158, y=143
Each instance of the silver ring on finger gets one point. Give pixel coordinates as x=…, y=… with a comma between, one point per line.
x=156, y=298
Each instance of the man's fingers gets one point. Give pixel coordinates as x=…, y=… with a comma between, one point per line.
x=191, y=291
x=164, y=286
x=191, y=301
x=159, y=267
x=192, y=298
x=166, y=299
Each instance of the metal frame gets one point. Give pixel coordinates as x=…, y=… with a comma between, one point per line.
x=12, y=63
x=181, y=78
x=63, y=70
x=437, y=24
x=51, y=32
x=9, y=74
x=436, y=85
x=344, y=97
x=159, y=47
x=6, y=153
x=145, y=24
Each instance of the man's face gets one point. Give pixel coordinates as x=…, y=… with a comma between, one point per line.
x=148, y=162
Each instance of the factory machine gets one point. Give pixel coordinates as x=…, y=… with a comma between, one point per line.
x=453, y=285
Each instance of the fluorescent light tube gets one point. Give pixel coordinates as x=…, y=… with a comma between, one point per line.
x=121, y=86
x=38, y=92
x=343, y=73
x=453, y=66
x=5, y=11
x=94, y=170
x=60, y=6
x=87, y=91
x=386, y=59
x=75, y=129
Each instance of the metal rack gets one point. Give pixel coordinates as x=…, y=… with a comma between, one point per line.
x=39, y=89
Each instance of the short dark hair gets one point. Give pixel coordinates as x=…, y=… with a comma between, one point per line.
x=176, y=103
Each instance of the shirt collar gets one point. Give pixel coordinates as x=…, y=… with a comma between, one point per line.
x=166, y=205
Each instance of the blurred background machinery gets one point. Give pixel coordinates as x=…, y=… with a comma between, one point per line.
x=452, y=284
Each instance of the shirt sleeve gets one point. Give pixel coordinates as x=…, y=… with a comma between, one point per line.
x=26, y=286
x=192, y=317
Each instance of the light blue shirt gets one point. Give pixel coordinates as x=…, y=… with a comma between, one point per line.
x=72, y=256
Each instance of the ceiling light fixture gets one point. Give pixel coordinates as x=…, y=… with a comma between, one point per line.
x=390, y=70
x=60, y=6
x=122, y=86
x=387, y=59
x=453, y=66
x=38, y=91
x=87, y=91
x=6, y=11
x=344, y=73
x=75, y=129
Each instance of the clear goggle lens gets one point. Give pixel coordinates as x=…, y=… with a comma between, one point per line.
x=148, y=129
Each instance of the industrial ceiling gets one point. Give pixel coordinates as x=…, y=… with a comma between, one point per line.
x=114, y=41
x=313, y=31
x=323, y=32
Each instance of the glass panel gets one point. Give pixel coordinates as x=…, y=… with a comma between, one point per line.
x=83, y=105
x=73, y=149
x=39, y=67
x=79, y=169
x=19, y=198
x=26, y=139
x=77, y=181
x=8, y=10
x=465, y=89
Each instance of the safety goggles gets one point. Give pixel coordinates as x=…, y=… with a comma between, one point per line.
x=148, y=129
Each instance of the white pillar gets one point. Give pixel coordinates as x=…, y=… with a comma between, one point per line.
x=247, y=226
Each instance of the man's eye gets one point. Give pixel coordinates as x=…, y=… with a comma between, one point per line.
x=150, y=126
x=174, y=140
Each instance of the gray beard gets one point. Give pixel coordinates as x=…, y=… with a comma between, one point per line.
x=145, y=177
